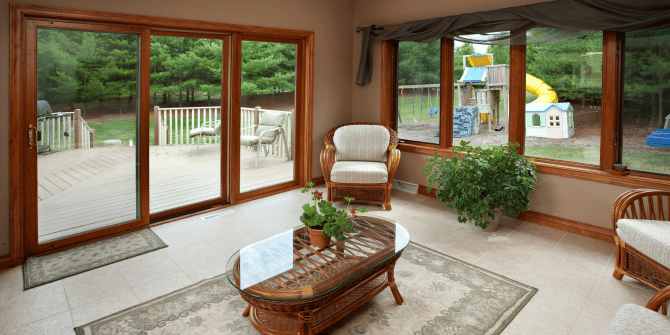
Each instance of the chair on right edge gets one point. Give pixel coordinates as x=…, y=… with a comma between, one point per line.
x=634, y=319
x=360, y=161
x=641, y=224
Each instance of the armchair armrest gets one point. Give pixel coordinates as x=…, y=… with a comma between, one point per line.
x=327, y=161
x=640, y=204
x=265, y=131
x=392, y=162
x=659, y=299
x=208, y=123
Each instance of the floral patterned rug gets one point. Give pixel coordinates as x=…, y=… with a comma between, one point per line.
x=443, y=295
x=40, y=270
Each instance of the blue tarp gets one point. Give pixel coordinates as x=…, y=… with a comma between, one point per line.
x=464, y=120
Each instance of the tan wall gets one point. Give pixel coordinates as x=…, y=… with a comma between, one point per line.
x=564, y=197
x=331, y=22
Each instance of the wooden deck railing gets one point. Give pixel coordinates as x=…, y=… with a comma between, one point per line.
x=173, y=125
x=61, y=131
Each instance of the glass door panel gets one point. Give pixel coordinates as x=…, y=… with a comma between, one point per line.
x=188, y=121
x=86, y=131
x=268, y=114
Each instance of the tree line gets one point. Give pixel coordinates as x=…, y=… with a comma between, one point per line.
x=92, y=68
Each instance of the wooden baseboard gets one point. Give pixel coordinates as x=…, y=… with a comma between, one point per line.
x=5, y=262
x=318, y=181
x=572, y=226
x=422, y=191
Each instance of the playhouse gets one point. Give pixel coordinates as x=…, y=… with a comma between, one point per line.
x=552, y=120
x=483, y=85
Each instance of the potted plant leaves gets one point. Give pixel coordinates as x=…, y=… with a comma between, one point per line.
x=323, y=220
x=483, y=184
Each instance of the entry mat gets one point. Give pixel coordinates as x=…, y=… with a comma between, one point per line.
x=40, y=270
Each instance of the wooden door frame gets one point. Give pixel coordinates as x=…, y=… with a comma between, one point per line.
x=19, y=16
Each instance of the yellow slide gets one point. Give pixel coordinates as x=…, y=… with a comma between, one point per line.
x=541, y=89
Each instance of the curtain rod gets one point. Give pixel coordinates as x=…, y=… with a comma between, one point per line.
x=359, y=28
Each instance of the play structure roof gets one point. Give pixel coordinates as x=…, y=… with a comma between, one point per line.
x=474, y=75
x=478, y=60
x=539, y=107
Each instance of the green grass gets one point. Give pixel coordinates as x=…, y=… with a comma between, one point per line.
x=123, y=130
x=640, y=161
x=411, y=109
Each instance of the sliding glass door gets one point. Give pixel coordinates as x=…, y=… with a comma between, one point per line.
x=189, y=100
x=83, y=125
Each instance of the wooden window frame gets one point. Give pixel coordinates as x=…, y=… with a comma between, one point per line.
x=20, y=14
x=610, y=142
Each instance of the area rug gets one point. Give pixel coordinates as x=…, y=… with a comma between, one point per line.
x=40, y=270
x=443, y=295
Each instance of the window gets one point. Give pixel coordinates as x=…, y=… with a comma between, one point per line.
x=418, y=92
x=481, y=77
x=565, y=79
x=582, y=72
x=536, y=120
x=646, y=111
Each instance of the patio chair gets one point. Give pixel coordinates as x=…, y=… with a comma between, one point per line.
x=360, y=161
x=268, y=130
x=209, y=128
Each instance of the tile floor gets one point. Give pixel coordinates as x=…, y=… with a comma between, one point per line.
x=577, y=293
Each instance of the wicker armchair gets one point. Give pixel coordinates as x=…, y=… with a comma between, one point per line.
x=364, y=165
x=634, y=319
x=641, y=205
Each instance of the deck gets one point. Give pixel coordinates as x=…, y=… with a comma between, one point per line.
x=86, y=189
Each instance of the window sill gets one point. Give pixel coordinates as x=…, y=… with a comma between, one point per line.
x=565, y=169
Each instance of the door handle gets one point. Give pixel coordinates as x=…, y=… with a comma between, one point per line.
x=32, y=131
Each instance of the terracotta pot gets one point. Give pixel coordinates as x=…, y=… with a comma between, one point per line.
x=317, y=239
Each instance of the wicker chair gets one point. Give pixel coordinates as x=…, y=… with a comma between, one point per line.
x=634, y=319
x=641, y=205
x=348, y=172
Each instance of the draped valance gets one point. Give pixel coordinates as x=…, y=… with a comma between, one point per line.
x=535, y=23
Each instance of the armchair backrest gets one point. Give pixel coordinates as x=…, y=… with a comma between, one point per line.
x=361, y=142
x=270, y=120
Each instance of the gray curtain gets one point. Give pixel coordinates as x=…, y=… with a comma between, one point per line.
x=563, y=18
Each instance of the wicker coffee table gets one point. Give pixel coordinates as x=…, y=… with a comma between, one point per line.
x=295, y=288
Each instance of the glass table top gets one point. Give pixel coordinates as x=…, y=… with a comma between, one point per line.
x=287, y=267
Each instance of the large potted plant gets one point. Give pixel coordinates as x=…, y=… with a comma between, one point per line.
x=323, y=220
x=483, y=183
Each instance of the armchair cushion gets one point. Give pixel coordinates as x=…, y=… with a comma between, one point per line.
x=634, y=319
x=355, y=172
x=363, y=142
x=275, y=119
x=650, y=237
x=253, y=140
x=205, y=131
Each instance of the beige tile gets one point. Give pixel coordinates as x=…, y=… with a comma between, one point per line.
x=207, y=269
x=179, y=235
x=59, y=324
x=475, y=243
x=32, y=305
x=11, y=283
x=456, y=254
x=94, y=285
x=512, y=260
x=595, y=318
x=161, y=286
x=145, y=268
x=547, y=313
x=518, y=273
x=103, y=307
